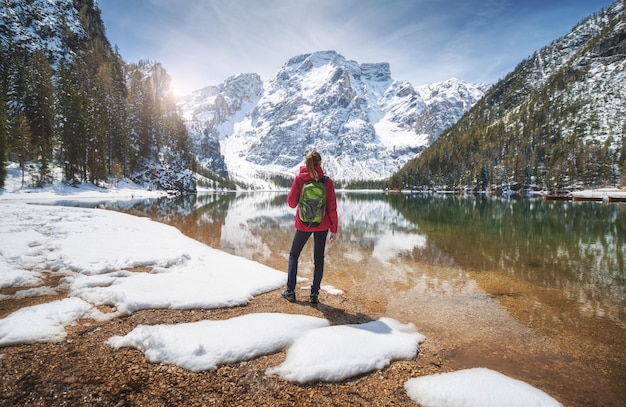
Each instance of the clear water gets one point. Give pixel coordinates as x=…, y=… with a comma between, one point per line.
x=533, y=289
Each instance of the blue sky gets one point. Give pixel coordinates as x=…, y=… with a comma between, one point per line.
x=203, y=42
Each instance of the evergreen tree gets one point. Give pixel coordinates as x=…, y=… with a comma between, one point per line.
x=622, y=157
x=39, y=110
x=73, y=123
x=118, y=131
x=20, y=136
x=4, y=116
x=137, y=147
x=100, y=119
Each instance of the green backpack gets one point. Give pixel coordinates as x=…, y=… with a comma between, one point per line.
x=313, y=202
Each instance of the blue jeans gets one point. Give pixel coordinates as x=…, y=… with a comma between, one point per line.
x=299, y=239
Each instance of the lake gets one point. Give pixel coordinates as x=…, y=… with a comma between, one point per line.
x=533, y=289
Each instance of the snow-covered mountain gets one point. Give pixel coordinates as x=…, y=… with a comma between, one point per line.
x=365, y=124
x=556, y=121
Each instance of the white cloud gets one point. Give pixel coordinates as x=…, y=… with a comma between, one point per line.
x=202, y=42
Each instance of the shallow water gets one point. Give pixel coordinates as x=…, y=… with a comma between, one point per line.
x=533, y=289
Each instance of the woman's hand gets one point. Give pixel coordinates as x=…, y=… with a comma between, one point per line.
x=333, y=237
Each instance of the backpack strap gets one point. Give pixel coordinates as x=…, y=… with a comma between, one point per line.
x=323, y=180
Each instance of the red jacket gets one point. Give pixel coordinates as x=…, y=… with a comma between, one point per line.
x=330, y=220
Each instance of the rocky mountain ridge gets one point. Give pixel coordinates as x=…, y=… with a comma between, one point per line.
x=365, y=124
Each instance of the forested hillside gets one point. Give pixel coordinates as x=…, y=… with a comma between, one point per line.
x=69, y=101
x=557, y=121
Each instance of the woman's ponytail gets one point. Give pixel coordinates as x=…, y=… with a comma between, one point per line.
x=312, y=160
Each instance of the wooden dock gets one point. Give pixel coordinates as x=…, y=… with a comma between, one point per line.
x=599, y=196
x=587, y=198
x=557, y=197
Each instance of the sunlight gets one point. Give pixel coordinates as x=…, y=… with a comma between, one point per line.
x=179, y=88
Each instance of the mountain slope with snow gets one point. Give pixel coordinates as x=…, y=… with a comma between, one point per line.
x=365, y=124
x=43, y=25
x=556, y=121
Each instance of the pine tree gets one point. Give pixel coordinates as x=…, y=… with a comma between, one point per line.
x=100, y=121
x=622, y=157
x=39, y=110
x=72, y=126
x=20, y=136
x=19, y=132
x=135, y=121
x=4, y=117
x=118, y=142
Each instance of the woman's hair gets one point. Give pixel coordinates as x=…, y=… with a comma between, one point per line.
x=312, y=160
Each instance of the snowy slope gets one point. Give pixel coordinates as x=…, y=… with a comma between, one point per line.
x=584, y=70
x=43, y=33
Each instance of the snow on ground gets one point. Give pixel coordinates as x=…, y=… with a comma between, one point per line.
x=204, y=345
x=44, y=323
x=16, y=187
x=477, y=387
x=339, y=352
x=98, y=252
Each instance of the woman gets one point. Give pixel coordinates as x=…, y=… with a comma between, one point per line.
x=311, y=170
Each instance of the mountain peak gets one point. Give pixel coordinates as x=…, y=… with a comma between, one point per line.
x=365, y=124
x=316, y=59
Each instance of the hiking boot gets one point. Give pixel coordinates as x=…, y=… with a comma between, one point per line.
x=289, y=295
x=314, y=298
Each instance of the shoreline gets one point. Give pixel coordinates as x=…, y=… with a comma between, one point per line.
x=64, y=373
x=53, y=374
x=455, y=339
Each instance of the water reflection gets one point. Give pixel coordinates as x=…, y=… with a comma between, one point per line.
x=558, y=268
x=579, y=248
x=575, y=247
